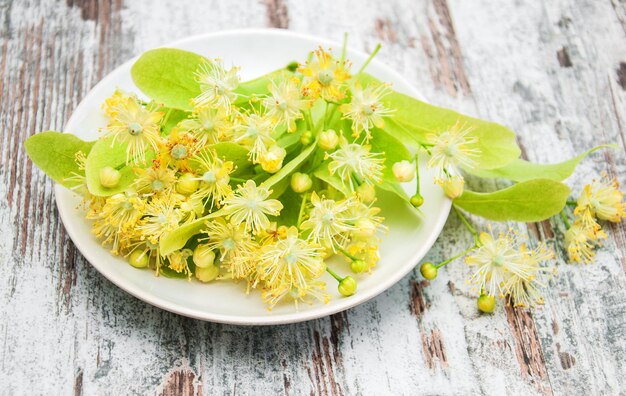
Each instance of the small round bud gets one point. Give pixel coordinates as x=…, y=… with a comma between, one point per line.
x=139, y=258
x=404, y=171
x=187, y=184
x=486, y=303
x=358, y=266
x=417, y=200
x=328, y=140
x=453, y=187
x=366, y=193
x=109, y=177
x=292, y=66
x=272, y=160
x=429, y=271
x=301, y=182
x=364, y=228
x=203, y=256
x=306, y=138
x=347, y=286
x=207, y=274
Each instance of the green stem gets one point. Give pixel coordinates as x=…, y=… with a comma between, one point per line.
x=344, y=47
x=572, y=203
x=417, y=174
x=324, y=116
x=348, y=255
x=334, y=275
x=301, y=213
x=467, y=224
x=236, y=179
x=309, y=119
x=463, y=253
x=367, y=62
x=565, y=219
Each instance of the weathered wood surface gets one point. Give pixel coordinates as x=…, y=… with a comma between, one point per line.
x=553, y=71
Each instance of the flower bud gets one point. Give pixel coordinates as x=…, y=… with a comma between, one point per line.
x=109, y=177
x=139, y=258
x=203, y=256
x=207, y=274
x=358, y=266
x=328, y=140
x=453, y=186
x=272, y=160
x=429, y=271
x=404, y=171
x=301, y=182
x=364, y=228
x=306, y=138
x=347, y=286
x=187, y=184
x=417, y=200
x=366, y=192
x=486, y=303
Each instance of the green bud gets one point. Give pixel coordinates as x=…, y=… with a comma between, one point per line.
x=203, y=256
x=187, y=184
x=207, y=274
x=417, y=200
x=347, y=286
x=306, y=138
x=292, y=66
x=486, y=303
x=109, y=177
x=328, y=139
x=429, y=271
x=139, y=258
x=358, y=266
x=301, y=182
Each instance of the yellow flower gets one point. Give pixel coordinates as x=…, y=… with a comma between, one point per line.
x=355, y=161
x=272, y=160
x=315, y=290
x=156, y=180
x=112, y=103
x=254, y=133
x=329, y=221
x=113, y=220
x=366, y=250
x=366, y=109
x=213, y=174
x=161, y=217
x=177, y=150
x=601, y=199
x=207, y=125
x=523, y=286
x=136, y=127
x=581, y=239
x=237, y=249
x=217, y=85
x=178, y=260
x=250, y=205
x=324, y=76
x=452, y=149
x=285, y=104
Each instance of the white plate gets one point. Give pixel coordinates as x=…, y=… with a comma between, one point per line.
x=257, y=52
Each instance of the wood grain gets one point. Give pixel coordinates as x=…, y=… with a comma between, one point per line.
x=555, y=72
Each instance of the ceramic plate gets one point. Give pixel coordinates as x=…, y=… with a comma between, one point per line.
x=257, y=52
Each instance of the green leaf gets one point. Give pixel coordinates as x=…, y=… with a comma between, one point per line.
x=104, y=153
x=323, y=174
x=54, y=153
x=178, y=238
x=233, y=152
x=529, y=201
x=167, y=75
x=522, y=170
x=173, y=118
x=396, y=189
x=291, y=208
x=260, y=85
x=416, y=119
x=289, y=168
x=393, y=150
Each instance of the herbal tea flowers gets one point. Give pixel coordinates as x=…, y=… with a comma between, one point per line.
x=260, y=182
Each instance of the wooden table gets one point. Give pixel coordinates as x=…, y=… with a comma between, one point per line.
x=553, y=71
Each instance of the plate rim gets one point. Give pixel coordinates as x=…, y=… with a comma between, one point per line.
x=246, y=320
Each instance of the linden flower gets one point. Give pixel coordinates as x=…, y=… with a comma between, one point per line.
x=119, y=214
x=286, y=103
x=254, y=133
x=207, y=125
x=154, y=180
x=250, y=205
x=112, y=103
x=366, y=110
x=581, y=239
x=162, y=217
x=291, y=262
x=136, y=127
x=234, y=244
x=523, y=287
x=217, y=85
x=355, y=161
x=329, y=221
x=367, y=223
x=366, y=250
x=214, y=177
x=272, y=160
x=324, y=76
x=452, y=149
x=177, y=150
x=191, y=207
x=603, y=200
x=178, y=260
x=315, y=290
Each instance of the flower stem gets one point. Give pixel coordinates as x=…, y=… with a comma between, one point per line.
x=572, y=203
x=417, y=174
x=348, y=255
x=468, y=225
x=463, y=253
x=367, y=62
x=301, y=213
x=565, y=219
x=309, y=119
x=344, y=47
x=334, y=274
